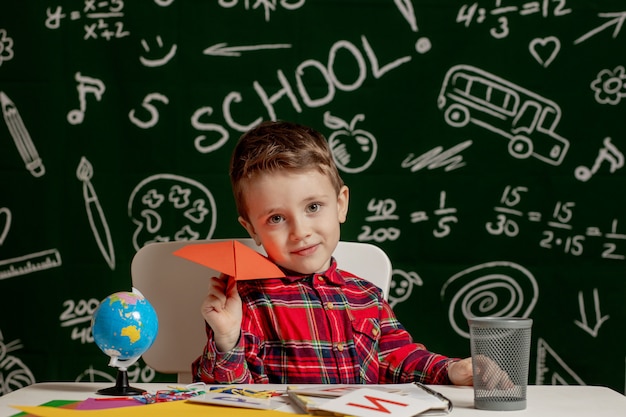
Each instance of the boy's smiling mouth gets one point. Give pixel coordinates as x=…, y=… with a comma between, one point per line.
x=308, y=250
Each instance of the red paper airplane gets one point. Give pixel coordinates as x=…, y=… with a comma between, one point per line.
x=232, y=258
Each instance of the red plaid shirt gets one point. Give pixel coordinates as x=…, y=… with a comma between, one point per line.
x=325, y=328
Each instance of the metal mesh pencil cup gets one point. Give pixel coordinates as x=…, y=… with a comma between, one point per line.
x=500, y=349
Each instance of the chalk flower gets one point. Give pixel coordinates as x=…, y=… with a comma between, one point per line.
x=610, y=86
x=6, y=46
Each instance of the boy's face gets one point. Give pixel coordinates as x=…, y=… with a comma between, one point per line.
x=295, y=215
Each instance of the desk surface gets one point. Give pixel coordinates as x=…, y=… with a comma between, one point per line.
x=542, y=400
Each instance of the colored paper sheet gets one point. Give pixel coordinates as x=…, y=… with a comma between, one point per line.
x=106, y=402
x=232, y=258
x=53, y=403
x=164, y=409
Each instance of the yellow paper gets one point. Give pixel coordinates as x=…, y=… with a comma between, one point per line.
x=165, y=409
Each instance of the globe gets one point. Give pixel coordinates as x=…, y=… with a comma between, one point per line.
x=124, y=326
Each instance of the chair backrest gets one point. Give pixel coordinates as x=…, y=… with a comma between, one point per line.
x=176, y=288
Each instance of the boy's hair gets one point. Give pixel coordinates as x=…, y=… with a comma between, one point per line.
x=273, y=146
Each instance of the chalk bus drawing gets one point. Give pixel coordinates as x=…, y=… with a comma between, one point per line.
x=13, y=373
x=498, y=288
x=551, y=369
x=528, y=120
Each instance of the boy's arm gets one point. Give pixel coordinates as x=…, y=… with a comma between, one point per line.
x=403, y=360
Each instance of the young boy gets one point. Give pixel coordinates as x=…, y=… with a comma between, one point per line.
x=320, y=324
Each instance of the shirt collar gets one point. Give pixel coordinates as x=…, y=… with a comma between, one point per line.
x=332, y=274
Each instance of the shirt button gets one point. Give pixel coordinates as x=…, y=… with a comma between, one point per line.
x=375, y=332
x=340, y=347
x=320, y=278
x=329, y=305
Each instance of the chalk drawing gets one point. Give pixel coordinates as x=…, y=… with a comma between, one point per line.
x=160, y=60
x=21, y=137
x=551, y=369
x=544, y=50
x=498, y=289
x=609, y=153
x=402, y=284
x=14, y=374
x=528, y=120
x=584, y=323
x=95, y=214
x=167, y=207
x=354, y=150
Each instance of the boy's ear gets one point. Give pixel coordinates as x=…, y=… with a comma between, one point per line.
x=342, y=204
x=250, y=229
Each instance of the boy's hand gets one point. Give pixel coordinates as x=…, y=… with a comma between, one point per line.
x=222, y=311
x=460, y=372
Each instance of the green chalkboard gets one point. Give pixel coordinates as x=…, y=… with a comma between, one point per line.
x=483, y=143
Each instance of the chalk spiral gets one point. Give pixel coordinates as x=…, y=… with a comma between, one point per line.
x=495, y=289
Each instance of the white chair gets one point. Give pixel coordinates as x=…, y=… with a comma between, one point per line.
x=176, y=288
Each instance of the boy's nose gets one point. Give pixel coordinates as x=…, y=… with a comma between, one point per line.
x=300, y=229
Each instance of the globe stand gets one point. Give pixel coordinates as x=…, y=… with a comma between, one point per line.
x=122, y=387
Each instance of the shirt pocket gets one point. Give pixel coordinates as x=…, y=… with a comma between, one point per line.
x=366, y=337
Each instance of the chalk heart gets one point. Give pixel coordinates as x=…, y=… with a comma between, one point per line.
x=5, y=225
x=544, y=50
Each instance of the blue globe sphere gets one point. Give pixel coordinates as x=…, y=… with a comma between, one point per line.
x=124, y=326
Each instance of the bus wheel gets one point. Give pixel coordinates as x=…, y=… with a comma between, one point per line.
x=520, y=147
x=457, y=115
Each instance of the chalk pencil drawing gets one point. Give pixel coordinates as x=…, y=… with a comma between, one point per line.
x=14, y=374
x=21, y=137
x=584, y=323
x=499, y=288
x=166, y=207
x=95, y=214
x=354, y=150
x=551, y=369
x=472, y=95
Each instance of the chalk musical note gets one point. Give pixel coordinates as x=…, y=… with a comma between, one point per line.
x=97, y=221
x=85, y=85
x=21, y=137
x=609, y=153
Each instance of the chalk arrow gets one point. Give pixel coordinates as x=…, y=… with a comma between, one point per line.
x=618, y=22
x=220, y=49
x=583, y=324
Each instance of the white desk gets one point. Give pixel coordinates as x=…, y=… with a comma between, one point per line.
x=548, y=401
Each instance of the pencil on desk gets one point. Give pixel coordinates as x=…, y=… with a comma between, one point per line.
x=21, y=137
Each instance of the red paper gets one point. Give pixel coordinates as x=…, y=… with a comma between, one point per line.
x=232, y=258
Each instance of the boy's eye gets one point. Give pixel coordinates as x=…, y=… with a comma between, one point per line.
x=314, y=207
x=275, y=219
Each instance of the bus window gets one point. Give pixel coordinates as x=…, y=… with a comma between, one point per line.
x=527, y=118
